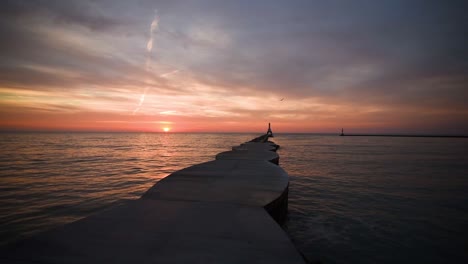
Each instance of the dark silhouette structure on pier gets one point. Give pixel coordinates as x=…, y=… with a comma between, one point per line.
x=264, y=138
x=227, y=210
x=269, y=132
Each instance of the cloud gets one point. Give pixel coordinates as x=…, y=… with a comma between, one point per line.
x=89, y=14
x=215, y=59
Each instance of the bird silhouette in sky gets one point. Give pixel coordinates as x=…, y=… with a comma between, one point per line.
x=282, y=99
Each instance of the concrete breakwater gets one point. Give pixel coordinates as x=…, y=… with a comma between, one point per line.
x=223, y=211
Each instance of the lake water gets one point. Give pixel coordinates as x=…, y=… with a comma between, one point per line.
x=351, y=199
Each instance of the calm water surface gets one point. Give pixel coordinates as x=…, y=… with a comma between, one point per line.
x=378, y=199
x=50, y=179
x=352, y=199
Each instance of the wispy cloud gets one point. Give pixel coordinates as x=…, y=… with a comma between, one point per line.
x=363, y=64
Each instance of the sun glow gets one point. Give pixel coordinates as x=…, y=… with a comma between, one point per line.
x=166, y=129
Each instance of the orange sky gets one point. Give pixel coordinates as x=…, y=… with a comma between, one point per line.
x=88, y=66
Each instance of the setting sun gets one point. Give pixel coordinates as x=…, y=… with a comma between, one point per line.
x=166, y=129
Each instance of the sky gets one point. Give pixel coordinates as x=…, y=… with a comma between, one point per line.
x=397, y=66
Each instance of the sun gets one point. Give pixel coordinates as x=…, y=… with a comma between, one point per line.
x=166, y=129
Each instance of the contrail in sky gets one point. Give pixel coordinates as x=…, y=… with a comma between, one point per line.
x=167, y=74
x=149, y=49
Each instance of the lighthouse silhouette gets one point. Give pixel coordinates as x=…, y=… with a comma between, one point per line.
x=269, y=132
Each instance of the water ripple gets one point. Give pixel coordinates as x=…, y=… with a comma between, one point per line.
x=351, y=200
x=49, y=179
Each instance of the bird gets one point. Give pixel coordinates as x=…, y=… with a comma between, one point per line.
x=282, y=99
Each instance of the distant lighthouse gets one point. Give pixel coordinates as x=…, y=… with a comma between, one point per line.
x=342, y=132
x=269, y=132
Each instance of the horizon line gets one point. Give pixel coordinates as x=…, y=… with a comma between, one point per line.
x=384, y=134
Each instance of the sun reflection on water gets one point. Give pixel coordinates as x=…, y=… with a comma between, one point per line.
x=48, y=179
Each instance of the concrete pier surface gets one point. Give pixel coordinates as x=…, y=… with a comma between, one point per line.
x=223, y=211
